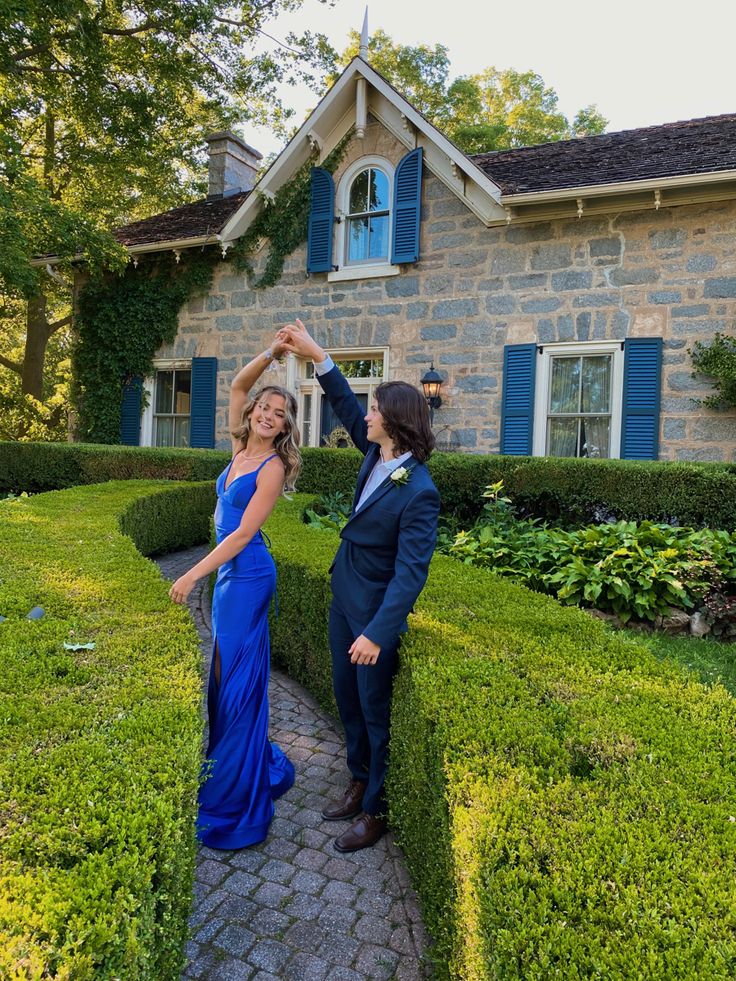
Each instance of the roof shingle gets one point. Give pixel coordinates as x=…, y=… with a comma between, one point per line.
x=205, y=217
x=695, y=146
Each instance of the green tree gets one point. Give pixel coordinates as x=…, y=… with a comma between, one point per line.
x=496, y=109
x=104, y=105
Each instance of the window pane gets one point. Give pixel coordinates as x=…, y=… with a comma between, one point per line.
x=563, y=437
x=164, y=393
x=378, y=238
x=310, y=369
x=595, y=437
x=379, y=191
x=564, y=386
x=164, y=432
x=357, y=239
x=596, y=387
x=181, y=432
x=182, y=391
x=361, y=367
x=359, y=194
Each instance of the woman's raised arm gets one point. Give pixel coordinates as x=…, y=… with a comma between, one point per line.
x=245, y=380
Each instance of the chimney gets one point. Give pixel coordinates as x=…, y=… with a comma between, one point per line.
x=233, y=165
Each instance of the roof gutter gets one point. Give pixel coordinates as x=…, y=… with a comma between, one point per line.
x=622, y=187
x=173, y=245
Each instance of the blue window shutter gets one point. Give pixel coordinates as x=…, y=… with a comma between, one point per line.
x=517, y=406
x=407, y=208
x=321, y=221
x=130, y=412
x=204, y=394
x=641, y=399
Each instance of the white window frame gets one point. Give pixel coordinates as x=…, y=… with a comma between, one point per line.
x=363, y=269
x=149, y=385
x=544, y=375
x=297, y=382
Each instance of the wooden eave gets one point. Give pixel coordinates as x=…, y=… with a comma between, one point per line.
x=643, y=195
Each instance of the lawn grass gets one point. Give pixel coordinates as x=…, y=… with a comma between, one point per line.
x=711, y=661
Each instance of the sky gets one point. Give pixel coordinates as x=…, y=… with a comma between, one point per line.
x=642, y=62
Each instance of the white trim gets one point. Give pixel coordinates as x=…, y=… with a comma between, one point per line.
x=622, y=187
x=301, y=385
x=541, y=389
x=331, y=120
x=366, y=271
x=149, y=384
x=342, y=209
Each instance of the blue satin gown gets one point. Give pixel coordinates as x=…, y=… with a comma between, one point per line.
x=246, y=772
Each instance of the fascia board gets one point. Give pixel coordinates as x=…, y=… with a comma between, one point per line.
x=320, y=122
x=481, y=195
x=476, y=198
x=422, y=125
x=622, y=187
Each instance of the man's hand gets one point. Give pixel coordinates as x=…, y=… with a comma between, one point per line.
x=297, y=339
x=363, y=651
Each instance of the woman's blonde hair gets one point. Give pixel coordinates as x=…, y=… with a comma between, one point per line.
x=286, y=444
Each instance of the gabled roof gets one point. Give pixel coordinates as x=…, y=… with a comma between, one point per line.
x=695, y=146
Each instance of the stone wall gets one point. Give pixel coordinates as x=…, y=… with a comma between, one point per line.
x=669, y=273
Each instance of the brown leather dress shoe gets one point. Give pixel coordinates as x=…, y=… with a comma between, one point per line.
x=349, y=806
x=362, y=833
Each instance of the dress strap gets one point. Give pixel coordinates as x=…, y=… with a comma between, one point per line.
x=267, y=460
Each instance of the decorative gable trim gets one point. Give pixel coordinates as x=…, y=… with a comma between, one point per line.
x=332, y=119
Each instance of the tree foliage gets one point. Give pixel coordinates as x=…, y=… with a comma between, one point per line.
x=496, y=109
x=104, y=106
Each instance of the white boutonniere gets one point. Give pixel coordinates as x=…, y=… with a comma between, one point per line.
x=400, y=476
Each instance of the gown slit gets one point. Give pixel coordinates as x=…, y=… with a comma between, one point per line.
x=244, y=772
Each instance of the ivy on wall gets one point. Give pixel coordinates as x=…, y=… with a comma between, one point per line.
x=283, y=221
x=717, y=360
x=123, y=320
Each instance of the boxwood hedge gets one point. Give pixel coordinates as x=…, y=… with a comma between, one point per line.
x=101, y=747
x=579, y=491
x=565, y=801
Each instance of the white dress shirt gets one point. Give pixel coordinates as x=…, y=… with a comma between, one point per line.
x=382, y=469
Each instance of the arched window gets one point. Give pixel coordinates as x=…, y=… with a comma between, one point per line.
x=368, y=217
x=366, y=208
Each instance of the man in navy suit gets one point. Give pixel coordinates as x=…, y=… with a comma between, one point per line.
x=378, y=573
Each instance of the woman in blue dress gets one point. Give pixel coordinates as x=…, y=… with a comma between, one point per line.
x=246, y=772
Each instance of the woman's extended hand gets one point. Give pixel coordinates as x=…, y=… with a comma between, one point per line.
x=181, y=589
x=278, y=345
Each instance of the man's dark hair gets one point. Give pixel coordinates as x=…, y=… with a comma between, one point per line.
x=406, y=418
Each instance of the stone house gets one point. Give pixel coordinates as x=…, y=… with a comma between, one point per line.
x=556, y=288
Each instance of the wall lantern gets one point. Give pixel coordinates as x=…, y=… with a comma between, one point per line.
x=431, y=383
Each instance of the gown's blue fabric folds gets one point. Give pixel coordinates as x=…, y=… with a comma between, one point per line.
x=244, y=772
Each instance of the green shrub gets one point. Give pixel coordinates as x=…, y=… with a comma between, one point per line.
x=101, y=748
x=574, y=491
x=564, y=800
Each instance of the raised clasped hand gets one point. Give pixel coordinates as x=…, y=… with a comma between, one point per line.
x=363, y=651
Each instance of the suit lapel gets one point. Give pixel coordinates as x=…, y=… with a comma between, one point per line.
x=369, y=461
x=383, y=488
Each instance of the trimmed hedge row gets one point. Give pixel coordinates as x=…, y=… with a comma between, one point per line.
x=101, y=749
x=579, y=491
x=565, y=801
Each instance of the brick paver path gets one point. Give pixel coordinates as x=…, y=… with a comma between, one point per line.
x=294, y=908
